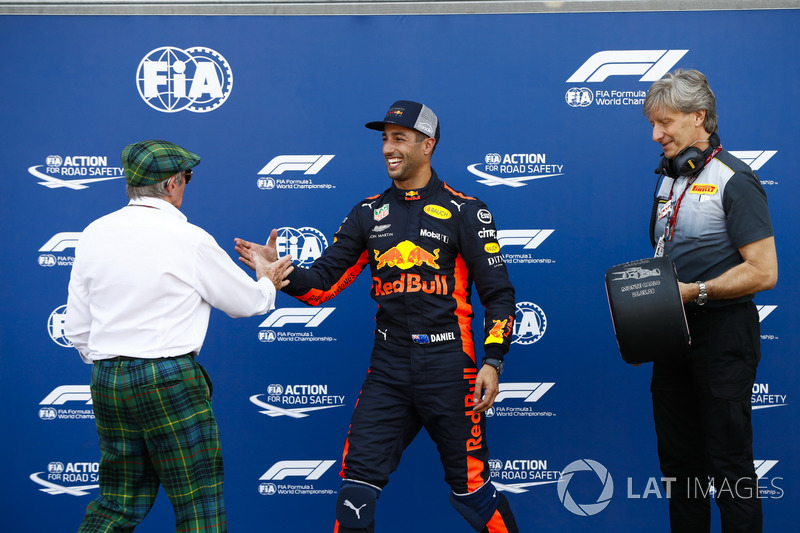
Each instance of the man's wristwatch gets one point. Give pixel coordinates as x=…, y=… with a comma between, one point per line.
x=497, y=364
x=702, y=298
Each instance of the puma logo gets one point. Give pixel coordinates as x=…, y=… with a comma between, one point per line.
x=353, y=507
x=458, y=205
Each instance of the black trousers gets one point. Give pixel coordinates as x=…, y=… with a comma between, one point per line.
x=702, y=412
x=405, y=392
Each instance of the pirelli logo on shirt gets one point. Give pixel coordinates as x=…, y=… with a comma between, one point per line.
x=703, y=188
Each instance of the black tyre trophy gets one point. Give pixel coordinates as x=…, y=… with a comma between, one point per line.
x=647, y=311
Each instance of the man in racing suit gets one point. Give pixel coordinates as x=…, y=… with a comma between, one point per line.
x=425, y=244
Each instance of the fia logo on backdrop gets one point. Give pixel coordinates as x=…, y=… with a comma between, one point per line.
x=530, y=323
x=55, y=326
x=197, y=79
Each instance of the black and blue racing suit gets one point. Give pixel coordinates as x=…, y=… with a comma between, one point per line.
x=425, y=249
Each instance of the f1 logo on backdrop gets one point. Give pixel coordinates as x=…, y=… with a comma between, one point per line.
x=68, y=393
x=309, y=317
x=511, y=240
x=196, y=79
x=528, y=392
x=51, y=406
x=307, y=164
x=61, y=241
x=754, y=158
x=651, y=65
x=310, y=470
x=764, y=311
x=58, y=243
x=648, y=65
x=527, y=238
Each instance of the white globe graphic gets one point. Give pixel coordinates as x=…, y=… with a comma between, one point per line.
x=579, y=97
x=55, y=327
x=492, y=159
x=166, y=79
x=530, y=323
x=166, y=99
x=303, y=244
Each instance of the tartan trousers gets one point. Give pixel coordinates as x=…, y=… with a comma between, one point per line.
x=156, y=427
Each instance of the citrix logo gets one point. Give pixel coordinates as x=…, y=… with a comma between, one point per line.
x=196, y=79
x=310, y=470
x=651, y=65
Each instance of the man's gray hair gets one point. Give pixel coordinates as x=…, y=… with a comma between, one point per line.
x=156, y=190
x=685, y=91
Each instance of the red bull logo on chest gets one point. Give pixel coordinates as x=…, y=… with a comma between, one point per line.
x=406, y=255
x=411, y=283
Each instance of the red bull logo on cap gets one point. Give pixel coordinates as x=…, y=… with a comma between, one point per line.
x=406, y=255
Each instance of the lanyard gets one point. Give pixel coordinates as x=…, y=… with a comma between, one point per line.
x=669, y=229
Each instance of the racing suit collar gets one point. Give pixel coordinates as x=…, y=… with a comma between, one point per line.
x=418, y=194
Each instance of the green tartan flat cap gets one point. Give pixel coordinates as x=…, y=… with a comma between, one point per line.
x=148, y=162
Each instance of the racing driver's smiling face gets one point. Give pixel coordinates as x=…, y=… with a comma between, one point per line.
x=407, y=159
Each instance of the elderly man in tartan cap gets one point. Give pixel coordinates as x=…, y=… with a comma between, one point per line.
x=140, y=294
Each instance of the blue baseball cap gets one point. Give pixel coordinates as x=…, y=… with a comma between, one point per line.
x=414, y=115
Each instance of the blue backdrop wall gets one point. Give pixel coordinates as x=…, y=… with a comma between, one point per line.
x=541, y=118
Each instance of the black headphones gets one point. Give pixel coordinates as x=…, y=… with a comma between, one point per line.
x=689, y=161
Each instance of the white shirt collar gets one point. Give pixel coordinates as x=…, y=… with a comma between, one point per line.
x=158, y=203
